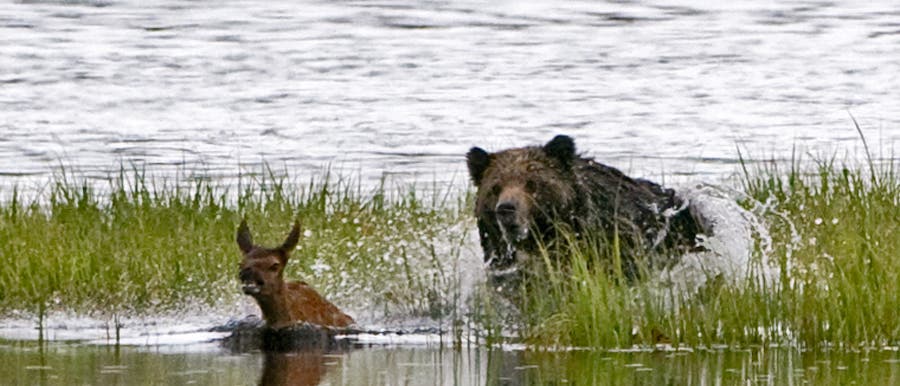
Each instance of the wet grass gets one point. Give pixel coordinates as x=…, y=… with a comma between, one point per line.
x=831, y=232
x=837, y=228
x=145, y=246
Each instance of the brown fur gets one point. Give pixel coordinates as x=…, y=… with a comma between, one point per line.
x=283, y=303
x=526, y=195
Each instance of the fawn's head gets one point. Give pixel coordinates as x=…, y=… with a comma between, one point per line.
x=262, y=268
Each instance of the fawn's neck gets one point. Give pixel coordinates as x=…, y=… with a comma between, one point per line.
x=275, y=308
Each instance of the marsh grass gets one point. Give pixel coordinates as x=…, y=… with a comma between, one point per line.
x=143, y=246
x=834, y=238
x=837, y=226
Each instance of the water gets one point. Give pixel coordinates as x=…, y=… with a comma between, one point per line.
x=404, y=88
x=401, y=89
x=58, y=364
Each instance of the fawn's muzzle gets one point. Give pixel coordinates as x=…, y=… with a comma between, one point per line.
x=251, y=283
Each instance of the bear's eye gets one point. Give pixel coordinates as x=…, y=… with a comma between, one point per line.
x=531, y=186
x=496, y=190
x=273, y=267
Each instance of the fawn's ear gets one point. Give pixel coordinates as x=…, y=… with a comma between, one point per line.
x=292, y=240
x=478, y=161
x=244, y=239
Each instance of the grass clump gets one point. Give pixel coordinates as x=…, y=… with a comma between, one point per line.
x=836, y=226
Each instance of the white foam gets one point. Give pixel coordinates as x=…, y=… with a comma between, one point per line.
x=731, y=254
x=180, y=329
x=400, y=339
x=181, y=339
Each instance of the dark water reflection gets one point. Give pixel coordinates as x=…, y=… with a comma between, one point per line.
x=302, y=368
x=27, y=363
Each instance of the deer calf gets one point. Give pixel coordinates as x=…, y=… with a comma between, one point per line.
x=282, y=303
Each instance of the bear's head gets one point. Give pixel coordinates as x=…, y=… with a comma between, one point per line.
x=522, y=193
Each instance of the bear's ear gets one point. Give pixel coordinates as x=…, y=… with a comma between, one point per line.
x=562, y=148
x=478, y=161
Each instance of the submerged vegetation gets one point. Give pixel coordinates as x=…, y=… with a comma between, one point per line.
x=140, y=248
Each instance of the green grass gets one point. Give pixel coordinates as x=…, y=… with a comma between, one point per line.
x=143, y=246
x=834, y=236
x=840, y=225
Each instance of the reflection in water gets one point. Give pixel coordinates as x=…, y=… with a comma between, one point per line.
x=300, y=368
x=26, y=363
x=761, y=365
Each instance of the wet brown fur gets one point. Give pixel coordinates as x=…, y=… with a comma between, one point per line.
x=283, y=303
x=525, y=195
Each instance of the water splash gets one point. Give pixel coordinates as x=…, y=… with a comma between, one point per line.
x=738, y=250
x=450, y=263
x=177, y=329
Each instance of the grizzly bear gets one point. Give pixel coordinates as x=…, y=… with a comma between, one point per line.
x=526, y=196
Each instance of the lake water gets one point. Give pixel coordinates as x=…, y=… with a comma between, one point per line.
x=402, y=89
x=61, y=364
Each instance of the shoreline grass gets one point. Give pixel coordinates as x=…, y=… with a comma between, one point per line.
x=833, y=236
x=837, y=227
x=140, y=248
x=143, y=247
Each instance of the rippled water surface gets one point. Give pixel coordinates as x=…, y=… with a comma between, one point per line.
x=406, y=87
x=402, y=89
x=56, y=364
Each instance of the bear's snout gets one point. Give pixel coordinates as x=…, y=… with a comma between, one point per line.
x=512, y=219
x=506, y=209
x=508, y=214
